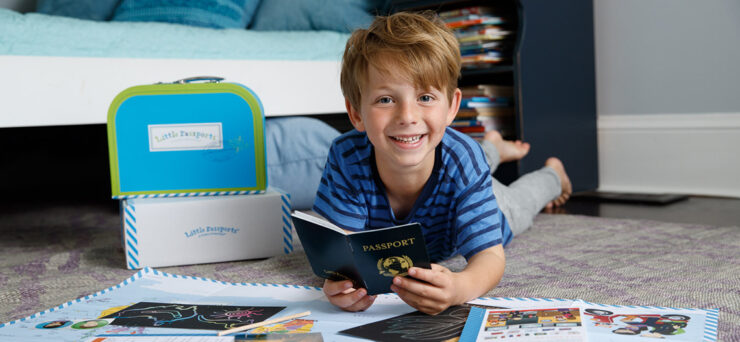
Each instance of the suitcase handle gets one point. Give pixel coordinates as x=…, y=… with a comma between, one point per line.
x=209, y=79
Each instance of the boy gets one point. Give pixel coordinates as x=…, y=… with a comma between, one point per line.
x=402, y=164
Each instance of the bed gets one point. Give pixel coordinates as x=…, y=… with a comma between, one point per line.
x=65, y=71
x=63, y=65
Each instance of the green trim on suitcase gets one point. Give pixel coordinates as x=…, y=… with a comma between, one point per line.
x=179, y=89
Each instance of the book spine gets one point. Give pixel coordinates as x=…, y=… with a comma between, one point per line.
x=469, y=22
x=465, y=11
x=465, y=123
x=481, y=37
x=485, y=111
x=477, y=102
x=471, y=129
x=478, y=30
x=487, y=90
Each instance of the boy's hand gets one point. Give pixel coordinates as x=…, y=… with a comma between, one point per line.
x=341, y=294
x=435, y=293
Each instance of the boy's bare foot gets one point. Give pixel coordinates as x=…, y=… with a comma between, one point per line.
x=567, y=188
x=507, y=150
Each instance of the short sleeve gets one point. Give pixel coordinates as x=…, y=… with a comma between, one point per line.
x=337, y=198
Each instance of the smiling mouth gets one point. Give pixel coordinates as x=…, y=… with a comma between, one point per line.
x=409, y=139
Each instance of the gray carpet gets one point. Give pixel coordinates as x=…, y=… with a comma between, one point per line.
x=53, y=254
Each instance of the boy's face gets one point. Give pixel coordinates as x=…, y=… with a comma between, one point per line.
x=404, y=124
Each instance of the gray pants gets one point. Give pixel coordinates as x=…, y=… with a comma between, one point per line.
x=525, y=197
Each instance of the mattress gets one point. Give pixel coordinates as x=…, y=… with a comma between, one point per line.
x=35, y=34
x=65, y=71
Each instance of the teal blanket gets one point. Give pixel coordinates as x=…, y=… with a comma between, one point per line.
x=35, y=34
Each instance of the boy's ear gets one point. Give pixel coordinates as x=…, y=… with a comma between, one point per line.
x=354, y=116
x=454, y=105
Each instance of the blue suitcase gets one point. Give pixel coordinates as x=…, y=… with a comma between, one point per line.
x=193, y=137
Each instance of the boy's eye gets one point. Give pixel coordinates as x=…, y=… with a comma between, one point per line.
x=426, y=98
x=385, y=100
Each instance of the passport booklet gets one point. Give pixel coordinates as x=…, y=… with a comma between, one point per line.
x=369, y=258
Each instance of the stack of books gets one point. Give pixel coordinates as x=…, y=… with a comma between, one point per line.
x=483, y=39
x=486, y=107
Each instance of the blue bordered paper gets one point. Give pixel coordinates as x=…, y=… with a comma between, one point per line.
x=152, y=285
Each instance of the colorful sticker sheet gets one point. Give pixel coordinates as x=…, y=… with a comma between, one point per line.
x=584, y=321
x=526, y=325
x=614, y=323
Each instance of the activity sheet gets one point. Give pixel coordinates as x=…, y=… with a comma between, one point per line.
x=155, y=304
x=561, y=324
x=615, y=323
x=83, y=318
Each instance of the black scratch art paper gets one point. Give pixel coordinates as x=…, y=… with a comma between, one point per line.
x=191, y=316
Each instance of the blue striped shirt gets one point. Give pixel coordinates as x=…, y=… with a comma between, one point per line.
x=457, y=210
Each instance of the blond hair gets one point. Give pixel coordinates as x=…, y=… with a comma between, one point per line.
x=418, y=44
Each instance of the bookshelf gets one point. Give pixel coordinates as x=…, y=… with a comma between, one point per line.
x=552, y=72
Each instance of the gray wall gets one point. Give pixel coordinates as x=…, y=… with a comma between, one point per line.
x=667, y=56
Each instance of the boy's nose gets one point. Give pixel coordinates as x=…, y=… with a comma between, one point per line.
x=407, y=114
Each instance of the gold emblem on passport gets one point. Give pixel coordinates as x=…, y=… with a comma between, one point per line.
x=394, y=266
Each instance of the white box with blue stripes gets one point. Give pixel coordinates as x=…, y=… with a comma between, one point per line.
x=173, y=231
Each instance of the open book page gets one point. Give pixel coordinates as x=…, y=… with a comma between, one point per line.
x=327, y=249
x=319, y=221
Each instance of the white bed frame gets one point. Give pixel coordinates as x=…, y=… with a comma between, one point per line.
x=49, y=91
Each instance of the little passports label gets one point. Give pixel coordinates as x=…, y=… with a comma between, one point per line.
x=185, y=137
x=209, y=231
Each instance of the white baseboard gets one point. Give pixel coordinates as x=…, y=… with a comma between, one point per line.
x=670, y=153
